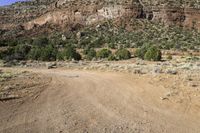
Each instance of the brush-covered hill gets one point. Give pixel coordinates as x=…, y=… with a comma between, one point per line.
x=45, y=16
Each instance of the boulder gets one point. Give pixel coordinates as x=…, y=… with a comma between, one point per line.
x=51, y=65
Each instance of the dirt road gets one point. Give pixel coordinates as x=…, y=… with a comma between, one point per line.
x=94, y=102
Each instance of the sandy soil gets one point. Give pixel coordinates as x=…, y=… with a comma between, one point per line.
x=96, y=102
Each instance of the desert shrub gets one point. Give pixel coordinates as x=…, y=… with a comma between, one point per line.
x=18, y=52
x=98, y=42
x=191, y=47
x=48, y=53
x=111, y=45
x=2, y=43
x=123, y=54
x=12, y=42
x=41, y=42
x=149, y=52
x=84, y=42
x=71, y=53
x=153, y=54
x=21, y=51
x=193, y=58
x=86, y=50
x=9, y=42
x=90, y=54
x=111, y=57
x=184, y=49
x=35, y=53
x=140, y=53
x=60, y=56
x=7, y=54
x=169, y=57
x=104, y=53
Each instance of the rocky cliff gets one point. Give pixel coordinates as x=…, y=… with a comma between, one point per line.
x=32, y=16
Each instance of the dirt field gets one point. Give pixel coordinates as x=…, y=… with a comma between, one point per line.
x=78, y=101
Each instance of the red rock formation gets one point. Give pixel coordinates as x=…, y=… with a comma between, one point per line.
x=67, y=12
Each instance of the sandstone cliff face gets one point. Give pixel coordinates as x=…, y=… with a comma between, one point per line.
x=192, y=18
x=36, y=13
x=169, y=16
x=86, y=14
x=185, y=17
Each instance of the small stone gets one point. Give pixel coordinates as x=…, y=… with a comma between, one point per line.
x=164, y=98
x=194, y=85
x=168, y=94
x=157, y=70
x=137, y=71
x=173, y=72
x=51, y=65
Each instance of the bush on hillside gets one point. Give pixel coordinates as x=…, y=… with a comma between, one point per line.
x=35, y=53
x=98, y=42
x=48, y=53
x=18, y=52
x=90, y=54
x=2, y=43
x=111, y=58
x=7, y=54
x=60, y=56
x=149, y=52
x=153, y=54
x=41, y=42
x=21, y=51
x=71, y=53
x=169, y=57
x=140, y=53
x=123, y=54
x=104, y=53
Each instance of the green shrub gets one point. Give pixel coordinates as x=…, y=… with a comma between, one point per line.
x=86, y=50
x=153, y=54
x=71, y=53
x=104, y=53
x=12, y=42
x=35, y=53
x=18, y=52
x=169, y=57
x=2, y=43
x=193, y=58
x=111, y=45
x=41, y=42
x=140, y=53
x=60, y=56
x=21, y=51
x=49, y=53
x=90, y=54
x=98, y=42
x=123, y=54
x=111, y=58
x=84, y=42
x=7, y=54
x=149, y=52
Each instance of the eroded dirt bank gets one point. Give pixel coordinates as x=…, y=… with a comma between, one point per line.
x=89, y=101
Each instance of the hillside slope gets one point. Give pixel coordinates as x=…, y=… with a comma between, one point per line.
x=45, y=16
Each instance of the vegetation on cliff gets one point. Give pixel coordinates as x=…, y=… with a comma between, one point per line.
x=109, y=34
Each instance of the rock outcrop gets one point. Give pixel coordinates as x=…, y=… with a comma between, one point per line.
x=62, y=13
